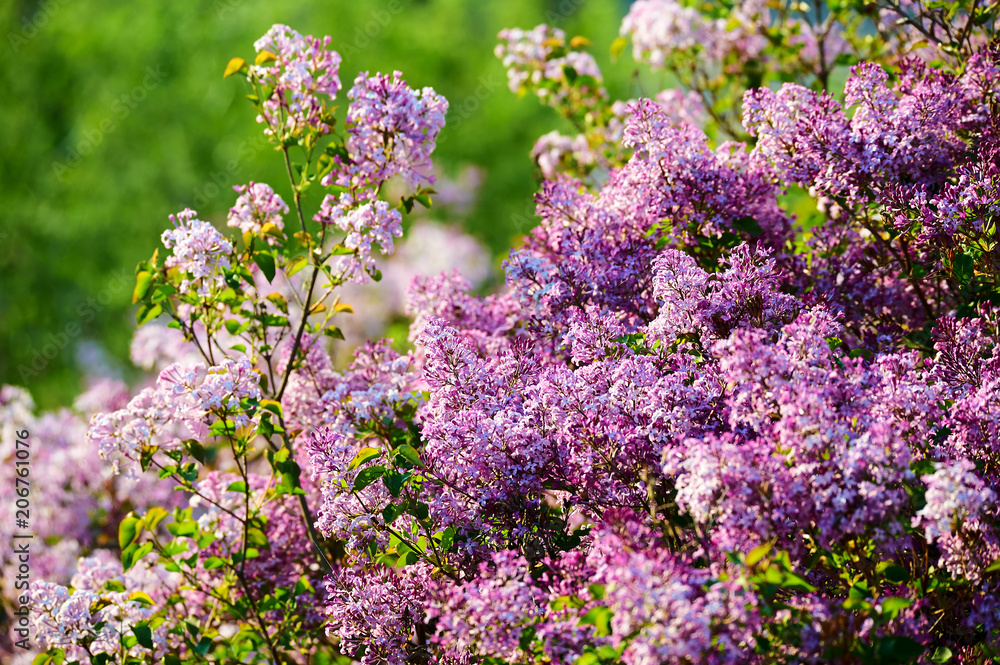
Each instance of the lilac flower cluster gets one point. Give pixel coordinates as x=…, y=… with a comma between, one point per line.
x=654, y=387
x=199, y=252
x=688, y=430
x=393, y=130
x=957, y=500
x=537, y=60
x=185, y=401
x=257, y=207
x=905, y=133
x=303, y=75
x=372, y=222
x=89, y=617
x=661, y=28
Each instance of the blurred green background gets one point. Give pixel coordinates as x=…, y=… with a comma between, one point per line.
x=116, y=115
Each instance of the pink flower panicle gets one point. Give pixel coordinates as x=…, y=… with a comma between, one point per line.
x=257, y=206
x=304, y=77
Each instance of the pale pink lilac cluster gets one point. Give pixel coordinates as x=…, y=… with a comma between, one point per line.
x=598, y=150
x=257, y=206
x=378, y=609
x=154, y=347
x=371, y=223
x=957, y=499
x=88, y=618
x=303, y=75
x=392, y=132
x=550, y=150
x=683, y=107
x=200, y=252
x=539, y=61
x=428, y=249
x=183, y=404
x=907, y=131
x=80, y=490
x=661, y=28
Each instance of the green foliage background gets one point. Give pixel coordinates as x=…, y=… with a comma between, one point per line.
x=72, y=225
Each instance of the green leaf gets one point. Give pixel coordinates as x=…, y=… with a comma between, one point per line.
x=334, y=332
x=114, y=586
x=279, y=301
x=600, y=618
x=127, y=531
x=213, y=562
x=296, y=265
x=893, y=605
x=237, y=486
x=896, y=574
x=141, y=597
x=185, y=528
x=264, y=57
x=420, y=510
x=899, y=649
x=748, y=225
x=363, y=456
x=153, y=517
x=410, y=454
x=963, y=268
x=617, y=47
x=527, y=637
x=367, y=476
x=391, y=512
x=793, y=581
x=143, y=634
x=235, y=65
x=129, y=555
x=204, y=644
x=859, y=592
x=142, y=280
x=941, y=655
x=257, y=538
x=993, y=567
x=196, y=449
x=447, y=538
x=758, y=553
x=394, y=482
x=147, y=313
x=265, y=261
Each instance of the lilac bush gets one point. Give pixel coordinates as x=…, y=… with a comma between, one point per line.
x=692, y=427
